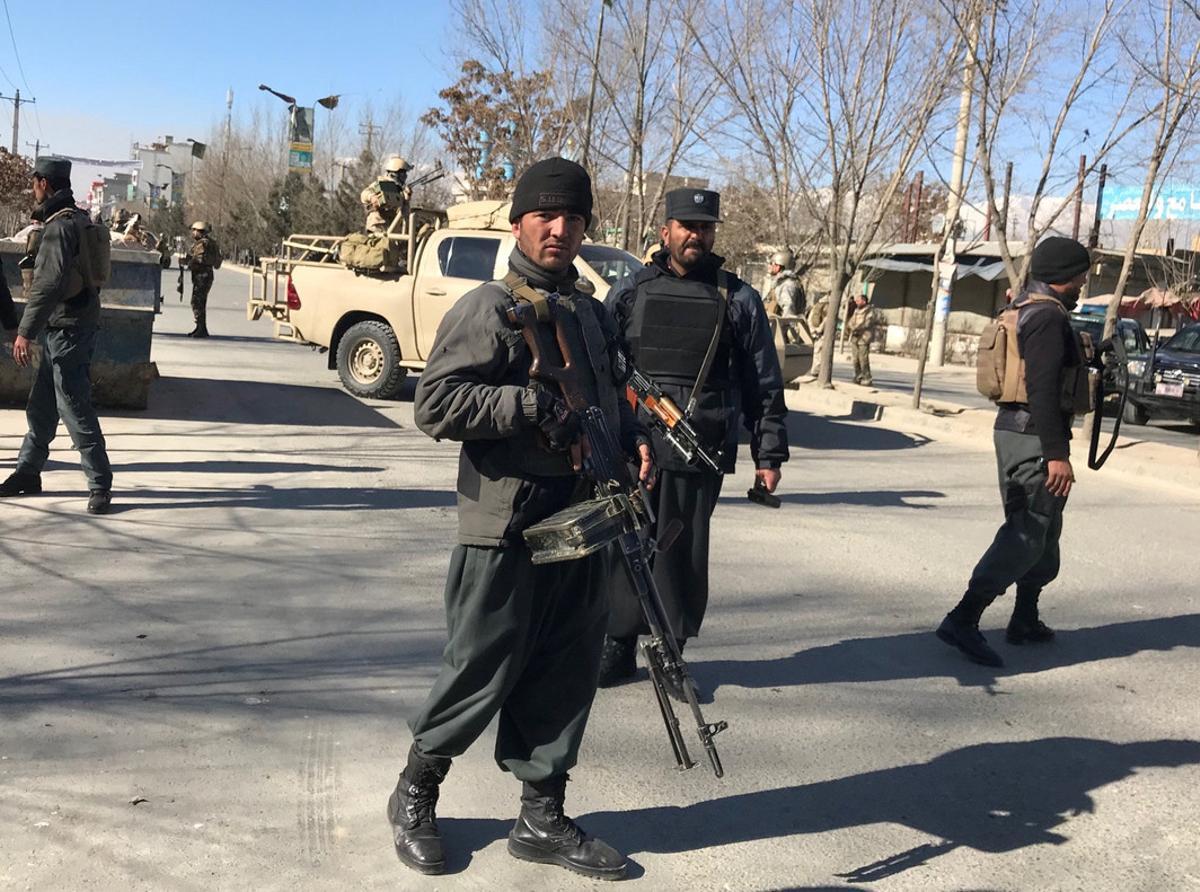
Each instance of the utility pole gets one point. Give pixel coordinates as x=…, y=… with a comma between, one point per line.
x=1079, y=196
x=17, y=101
x=938, y=312
x=367, y=128
x=37, y=148
x=225, y=155
x=587, y=125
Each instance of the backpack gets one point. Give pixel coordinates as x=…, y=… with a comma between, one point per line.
x=368, y=251
x=95, y=249
x=212, y=254
x=999, y=367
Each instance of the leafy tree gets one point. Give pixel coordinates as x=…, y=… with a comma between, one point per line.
x=519, y=115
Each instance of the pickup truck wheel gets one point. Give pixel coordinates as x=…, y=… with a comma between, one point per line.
x=1135, y=414
x=368, y=361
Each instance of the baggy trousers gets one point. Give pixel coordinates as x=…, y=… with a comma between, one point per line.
x=62, y=388
x=524, y=642
x=202, y=281
x=860, y=349
x=1025, y=550
x=680, y=572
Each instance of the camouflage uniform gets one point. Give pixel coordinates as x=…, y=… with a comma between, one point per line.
x=382, y=200
x=200, y=258
x=816, y=325
x=861, y=327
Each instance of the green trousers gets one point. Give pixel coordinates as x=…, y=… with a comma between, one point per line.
x=860, y=349
x=1025, y=550
x=524, y=643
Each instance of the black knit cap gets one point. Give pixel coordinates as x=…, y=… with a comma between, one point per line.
x=553, y=184
x=1058, y=260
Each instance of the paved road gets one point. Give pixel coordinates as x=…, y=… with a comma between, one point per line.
x=207, y=690
x=956, y=384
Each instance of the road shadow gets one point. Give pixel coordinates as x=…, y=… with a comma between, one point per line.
x=240, y=467
x=991, y=797
x=256, y=402
x=305, y=498
x=922, y=655
x=807, y=431
x=217, y=336
x=883, y=498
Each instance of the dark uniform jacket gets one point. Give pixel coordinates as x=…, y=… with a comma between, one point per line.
x=1050, y=349
x=58, y=298
x=8, y=311
x=745, y=384
x=475, y=388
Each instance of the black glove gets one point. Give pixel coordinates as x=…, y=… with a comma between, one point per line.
x=557, y=421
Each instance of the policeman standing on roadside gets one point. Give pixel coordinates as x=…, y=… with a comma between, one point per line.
x=524, y=640
x=201, y=259
x=703, y=335
x=62, y=313
x=1032, y=438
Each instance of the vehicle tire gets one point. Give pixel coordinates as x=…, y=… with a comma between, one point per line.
x=368, y=361
x=1134, y=413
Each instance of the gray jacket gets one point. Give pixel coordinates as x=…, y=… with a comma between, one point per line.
x=476, y=389
x=57, y=297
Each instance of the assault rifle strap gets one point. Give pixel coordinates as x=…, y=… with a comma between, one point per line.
x=723, y=289
x=522, y=290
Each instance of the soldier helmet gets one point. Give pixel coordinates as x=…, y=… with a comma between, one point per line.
x=201, y=225
x=784, y=258
x=395, y=164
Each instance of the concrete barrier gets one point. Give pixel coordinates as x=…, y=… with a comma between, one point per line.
x=121, y=369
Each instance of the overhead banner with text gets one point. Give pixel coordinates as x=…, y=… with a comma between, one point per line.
x=300, y=139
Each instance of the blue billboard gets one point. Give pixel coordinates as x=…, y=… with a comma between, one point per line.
x=1175, y=201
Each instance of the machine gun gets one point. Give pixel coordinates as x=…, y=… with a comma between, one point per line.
x=424, y=179
x=621, y=513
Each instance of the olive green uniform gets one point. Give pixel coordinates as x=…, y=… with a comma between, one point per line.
x=203, y=257
x=861, y=329
x=524, y=640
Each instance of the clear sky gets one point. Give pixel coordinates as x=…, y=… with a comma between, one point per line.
x=125, y=72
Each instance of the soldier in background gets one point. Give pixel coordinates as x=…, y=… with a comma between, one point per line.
x=864, y=319
x=387, y=196
x=202, y=258
x=784, y=294
x=816, y=325
x=33, y=238
x=120, y=219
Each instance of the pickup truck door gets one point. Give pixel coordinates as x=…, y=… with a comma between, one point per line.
x=452, y=263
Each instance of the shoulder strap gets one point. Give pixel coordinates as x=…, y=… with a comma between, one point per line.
x=724, y=286
x=521, y=290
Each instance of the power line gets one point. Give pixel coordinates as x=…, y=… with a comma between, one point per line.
x=16, y=53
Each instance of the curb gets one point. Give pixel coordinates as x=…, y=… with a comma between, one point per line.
x=1132, y=459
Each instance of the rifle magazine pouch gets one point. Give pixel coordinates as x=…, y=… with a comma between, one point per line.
x=580, y=529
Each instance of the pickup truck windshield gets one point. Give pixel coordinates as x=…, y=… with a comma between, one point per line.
x=1187, y=341
x=612, y=264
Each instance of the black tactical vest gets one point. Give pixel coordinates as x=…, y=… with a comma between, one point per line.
x=671, y=327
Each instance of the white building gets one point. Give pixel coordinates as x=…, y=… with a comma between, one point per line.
x=166, y=169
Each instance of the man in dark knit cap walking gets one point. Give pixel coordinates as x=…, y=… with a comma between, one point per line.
x=1032, y=437
x=524, y=640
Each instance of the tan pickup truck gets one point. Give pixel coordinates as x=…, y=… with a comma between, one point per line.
x=375, y=327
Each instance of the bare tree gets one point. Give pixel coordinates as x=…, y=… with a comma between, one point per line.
x=1087, y=100
x=1172, y=43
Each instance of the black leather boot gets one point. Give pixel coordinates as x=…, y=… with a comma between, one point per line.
x=411, y=811
x=544, y=834
x=960, y=629
x=1026, y=627
x=618, y=663
x=18, y=484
